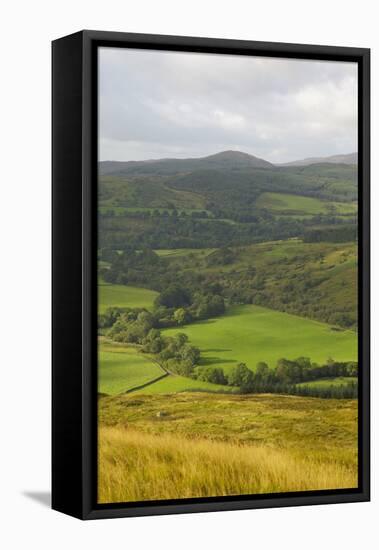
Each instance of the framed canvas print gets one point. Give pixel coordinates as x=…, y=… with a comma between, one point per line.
x=210, y=274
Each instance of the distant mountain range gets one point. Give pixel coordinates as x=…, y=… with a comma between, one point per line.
x=225, y=160
x=351, y=158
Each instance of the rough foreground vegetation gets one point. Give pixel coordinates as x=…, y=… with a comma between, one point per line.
x=193, y=445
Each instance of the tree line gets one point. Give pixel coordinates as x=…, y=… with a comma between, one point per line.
x=167, y=231
x=161, y=229
x=286, y=377
x=138, y=326
x=338, y=234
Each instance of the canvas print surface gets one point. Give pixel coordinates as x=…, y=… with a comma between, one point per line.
x=227, y=275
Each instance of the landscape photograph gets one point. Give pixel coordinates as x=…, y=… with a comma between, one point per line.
x=227, y=275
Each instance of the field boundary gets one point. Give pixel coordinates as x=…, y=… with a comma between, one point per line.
x=141, y=386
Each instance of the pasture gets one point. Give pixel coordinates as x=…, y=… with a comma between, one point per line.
x=124, y=296
x=177, y=384
x=285, y=203
x=250, y=334
x=122, y=368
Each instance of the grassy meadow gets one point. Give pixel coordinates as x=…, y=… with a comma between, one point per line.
x=286, y=203
x=124, y=296
x=197, y=445
x=122, y=368
x=137, y=467
x=250, y=334
x=176, y=384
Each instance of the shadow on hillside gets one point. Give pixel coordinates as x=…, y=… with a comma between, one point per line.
x=204, y=361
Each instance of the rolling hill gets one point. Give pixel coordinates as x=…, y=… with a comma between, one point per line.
x=351, y=158
x=230, y=179
x=224, y=159
x=228, y=160
x=157, y=211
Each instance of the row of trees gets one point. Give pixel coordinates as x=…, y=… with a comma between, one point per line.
x=338, y=234
x=193, y=231
x=177, y=306
x=181, y=230
x=136, y=326
x=155, y=213
x=332, y=391
x=286, y=377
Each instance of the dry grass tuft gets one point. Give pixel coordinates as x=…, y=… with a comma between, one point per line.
x=135, y=466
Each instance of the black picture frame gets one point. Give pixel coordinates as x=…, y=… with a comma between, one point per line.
x=74, y=295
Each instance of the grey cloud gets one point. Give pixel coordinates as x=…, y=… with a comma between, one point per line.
x=158, y=104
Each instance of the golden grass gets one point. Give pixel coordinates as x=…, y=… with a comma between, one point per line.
x=136, y=466
x=324, y=429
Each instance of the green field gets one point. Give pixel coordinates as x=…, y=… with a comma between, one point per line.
x=124, y=296
x=250, y=334
x=297, y=204
x=154, y=193
x=122, y=368
x=177, y=384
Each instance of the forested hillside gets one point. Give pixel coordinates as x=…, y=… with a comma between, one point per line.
x=224, y=200
x=281, y=237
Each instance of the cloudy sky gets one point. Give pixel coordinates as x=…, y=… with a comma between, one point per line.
x=162, y=104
